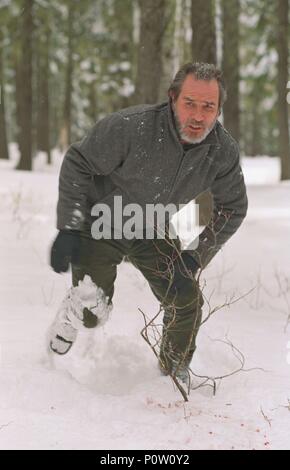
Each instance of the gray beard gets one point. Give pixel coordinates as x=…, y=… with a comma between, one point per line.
x=184, y=136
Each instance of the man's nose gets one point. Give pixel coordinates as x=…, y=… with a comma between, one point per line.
x=197, y=115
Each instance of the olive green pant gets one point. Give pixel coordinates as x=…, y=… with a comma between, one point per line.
x=159, y=261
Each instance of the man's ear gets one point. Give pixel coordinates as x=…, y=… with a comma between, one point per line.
x=171, y=96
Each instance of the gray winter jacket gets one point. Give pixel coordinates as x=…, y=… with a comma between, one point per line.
x=136, y=153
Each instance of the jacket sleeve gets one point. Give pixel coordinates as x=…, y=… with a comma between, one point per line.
x=100, y=152
x=230, y=208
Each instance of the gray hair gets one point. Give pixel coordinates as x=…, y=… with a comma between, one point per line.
x=200, y=71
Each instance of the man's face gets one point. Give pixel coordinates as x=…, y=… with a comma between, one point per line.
x=196, y=109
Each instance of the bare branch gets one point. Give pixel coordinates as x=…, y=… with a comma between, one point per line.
x=166, y=265
x=268, y=420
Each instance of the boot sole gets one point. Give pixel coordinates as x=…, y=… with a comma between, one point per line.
x=70, y=343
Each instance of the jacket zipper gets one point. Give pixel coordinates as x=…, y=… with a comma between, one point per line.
x=176, y=174
x=178, y=171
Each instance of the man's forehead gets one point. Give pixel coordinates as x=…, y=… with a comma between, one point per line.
x=208, y=90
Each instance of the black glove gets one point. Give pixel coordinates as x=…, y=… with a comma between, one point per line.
x=189, y=262
x=185, y=267
x=65, y=250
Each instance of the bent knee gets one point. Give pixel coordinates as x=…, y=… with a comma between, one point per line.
x=189, y=296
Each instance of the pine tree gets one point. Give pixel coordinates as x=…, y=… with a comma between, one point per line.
x=203, y=50
x=3, y=132
x=42, y=53
x=230, y=65
x=203, y=31
x=283, y=51
x=24, y=86
x=149, y=53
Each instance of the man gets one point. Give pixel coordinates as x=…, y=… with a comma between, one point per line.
x=160, y=154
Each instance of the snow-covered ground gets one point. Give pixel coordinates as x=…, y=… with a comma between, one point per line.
x=107, y=393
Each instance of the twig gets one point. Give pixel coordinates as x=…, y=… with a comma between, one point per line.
x=266, y=417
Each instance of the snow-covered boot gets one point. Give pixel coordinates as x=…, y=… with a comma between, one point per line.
x=180, y=371
x=85, y=306
x=174, y=363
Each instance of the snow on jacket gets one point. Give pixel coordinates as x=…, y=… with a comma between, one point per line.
x=136, y=153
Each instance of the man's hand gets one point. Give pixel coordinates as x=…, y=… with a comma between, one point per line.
x=187, y=261
x=185, y=268
x=65, y=250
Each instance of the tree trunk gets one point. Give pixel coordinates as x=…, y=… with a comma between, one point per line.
x=282, y=48
x=4, y=154
x=178, y=36
x=230, y=65
x=24, y=83
x=167, y=70
x=93, y=107
x=203, y=50
x=65, y=133
x=42, y=125
x=203, y=31
x=256, y=125
x=149, y=64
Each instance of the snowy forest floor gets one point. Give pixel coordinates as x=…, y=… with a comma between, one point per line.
x=107, y=393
